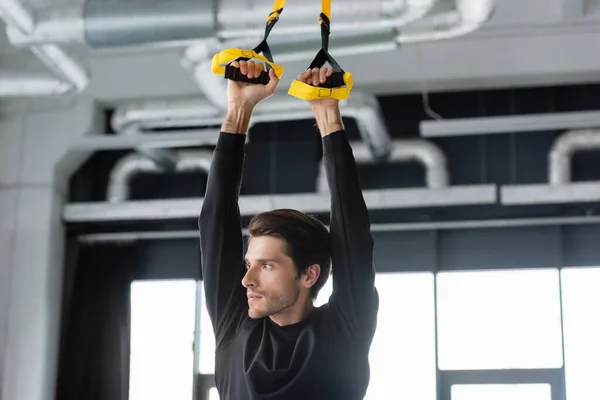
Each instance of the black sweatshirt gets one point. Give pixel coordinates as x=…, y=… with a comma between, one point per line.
x=325, y=356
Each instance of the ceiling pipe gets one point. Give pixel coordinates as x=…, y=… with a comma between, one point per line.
x=136, y=119
x=134, y=164
x=99, y=24
x=364, y=108
x=469, y=16
x=405, y=150
x=31, y=85
x=66, y=70
x=420, y=150
x=346, y=18
x=561, y=154
x=560, y=188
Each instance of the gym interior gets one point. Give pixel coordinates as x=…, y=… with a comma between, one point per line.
x=475, y=125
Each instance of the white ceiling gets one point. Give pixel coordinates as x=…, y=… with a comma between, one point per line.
x=525, y=42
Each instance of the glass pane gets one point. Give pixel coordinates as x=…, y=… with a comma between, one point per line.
x=502, y=392
x=402, y=355
x=206, y=351
x=499, y=319
x=162, y=335
x=213, y=394
x=581, y=316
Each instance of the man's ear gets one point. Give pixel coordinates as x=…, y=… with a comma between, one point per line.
x=311, y=275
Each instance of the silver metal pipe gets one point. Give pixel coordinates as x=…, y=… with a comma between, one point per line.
x=31, y=85
x=129, y=23
x=382, y=227
x=60, y=64
x=122, y=173
x=134, y=164
x=364, y=108
x=420, y=150
x=570, y=142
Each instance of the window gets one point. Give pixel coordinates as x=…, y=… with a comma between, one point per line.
x=499, y=319
x=206, y=352
x=501, y=392
x=402, y=355
x=162, y=335
x=581, y=315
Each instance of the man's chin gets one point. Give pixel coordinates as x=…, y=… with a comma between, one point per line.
x=253, y=314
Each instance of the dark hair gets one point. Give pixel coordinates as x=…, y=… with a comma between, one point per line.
x=307, y=240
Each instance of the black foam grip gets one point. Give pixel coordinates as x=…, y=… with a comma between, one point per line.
x=336, y=80
x=235, y=74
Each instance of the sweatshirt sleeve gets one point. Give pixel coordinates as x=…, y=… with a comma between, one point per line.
x=354, y=300
x=221, y=238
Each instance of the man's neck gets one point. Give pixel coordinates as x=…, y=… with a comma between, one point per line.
x=293, y=315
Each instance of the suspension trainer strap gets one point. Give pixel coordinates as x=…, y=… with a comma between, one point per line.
x=339, y=84
x=221, y=63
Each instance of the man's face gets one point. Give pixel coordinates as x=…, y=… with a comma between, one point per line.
x=271, y=281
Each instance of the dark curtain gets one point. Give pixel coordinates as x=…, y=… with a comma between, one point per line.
x=95, y=336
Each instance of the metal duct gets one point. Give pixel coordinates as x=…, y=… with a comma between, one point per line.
x=133, y=120
x=560, y=189
x=134, y=164
x=119, y=23
x=164, y=158
x=364, y=108
x=347, y=17
x=468, y=17
x=559, y=158
x=423, y=151
x=153, y=114
x=67, y=71
x=53, y=26
x=29, y=85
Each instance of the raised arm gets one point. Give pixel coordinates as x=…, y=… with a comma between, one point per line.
x=354, y=298
x=219, y=223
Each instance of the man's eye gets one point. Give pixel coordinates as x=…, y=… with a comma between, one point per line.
x=267, y=266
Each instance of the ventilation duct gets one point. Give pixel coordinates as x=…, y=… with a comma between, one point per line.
x=133, y=164
x=347, y=17
x=560, y=188
x=68, y=74
x=101, y=23
x=469, y=16
x=134, y=120
x=409, y=150
x=28, y=85
x=118, y=209
x=562, y=152
x=362, y=107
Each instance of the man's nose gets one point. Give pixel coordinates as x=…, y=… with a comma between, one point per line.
x=249, y=279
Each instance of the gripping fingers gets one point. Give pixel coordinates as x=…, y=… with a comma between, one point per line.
x=315, y=76
x=249, y=68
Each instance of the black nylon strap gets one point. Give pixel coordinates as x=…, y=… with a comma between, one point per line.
x=234, y=74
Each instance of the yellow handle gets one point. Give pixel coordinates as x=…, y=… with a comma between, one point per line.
x=220, y=60
x=305, y=91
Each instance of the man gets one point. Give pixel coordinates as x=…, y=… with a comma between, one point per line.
x=271, y=342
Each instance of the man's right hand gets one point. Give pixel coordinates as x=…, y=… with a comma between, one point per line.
x=250, y=94
x=242, y=97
